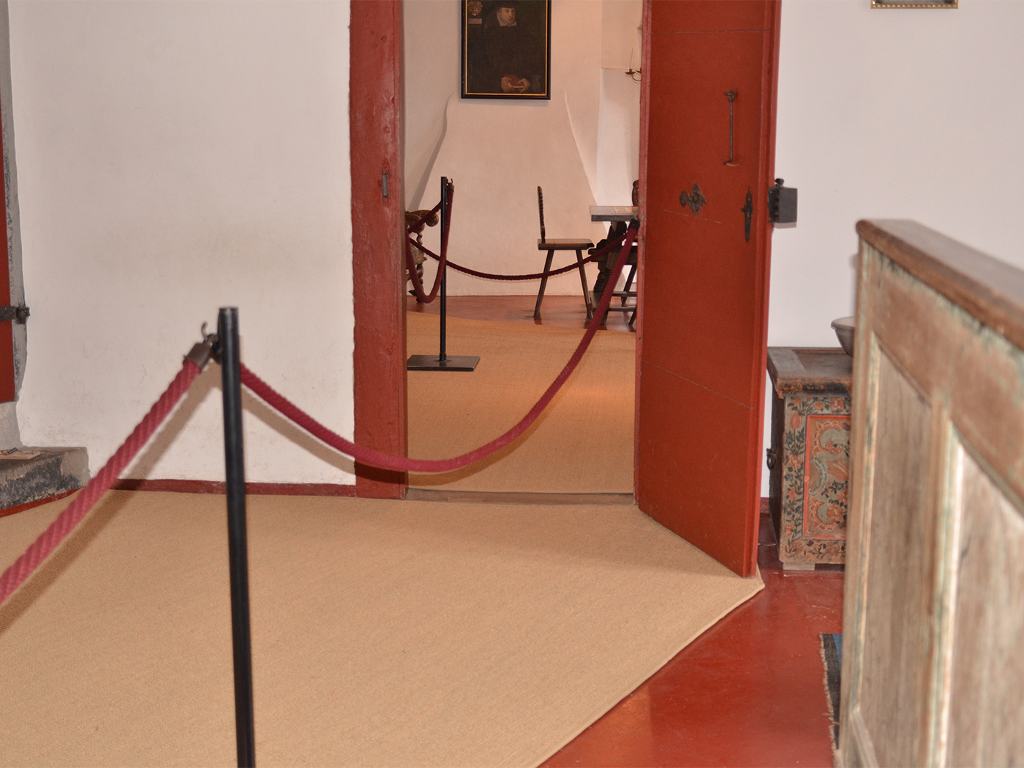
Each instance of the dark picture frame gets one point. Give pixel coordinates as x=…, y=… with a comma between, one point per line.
x=506, y=49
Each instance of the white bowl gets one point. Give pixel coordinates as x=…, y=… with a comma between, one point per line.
x=844, y=329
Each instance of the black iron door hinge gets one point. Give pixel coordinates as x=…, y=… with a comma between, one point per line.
x=18, y=314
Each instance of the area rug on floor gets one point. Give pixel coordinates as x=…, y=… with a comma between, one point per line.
x=582, y=444
x=832, y=657
x=384, y=633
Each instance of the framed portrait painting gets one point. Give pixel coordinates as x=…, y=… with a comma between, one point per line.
x=506, y=49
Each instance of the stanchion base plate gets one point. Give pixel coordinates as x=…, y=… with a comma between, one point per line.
x=435, y=363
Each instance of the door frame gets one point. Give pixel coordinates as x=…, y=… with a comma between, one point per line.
x=8, y=383
x=375, y=85
x=378, y=230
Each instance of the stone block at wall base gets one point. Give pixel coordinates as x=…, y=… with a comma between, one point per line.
x=30, y=474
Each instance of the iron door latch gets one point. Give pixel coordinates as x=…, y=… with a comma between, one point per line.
x=694, y=201
x=18, y=314
x=782, y=203
x=748, y=212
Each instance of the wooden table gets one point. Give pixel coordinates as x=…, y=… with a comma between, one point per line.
x=614, y=212
x=809, y=457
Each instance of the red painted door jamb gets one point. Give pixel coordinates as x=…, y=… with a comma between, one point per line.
x=7, y=389
x=378, y=226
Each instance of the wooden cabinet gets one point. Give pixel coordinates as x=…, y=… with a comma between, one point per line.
x=808, y=460
x=933, y=673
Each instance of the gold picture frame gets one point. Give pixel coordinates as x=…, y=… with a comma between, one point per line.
x=506, y=49
x=905, y=4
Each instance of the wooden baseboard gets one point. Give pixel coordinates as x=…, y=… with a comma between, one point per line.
x=337, y=489
x=38, y=502
x=217, y=486
x=516, y=497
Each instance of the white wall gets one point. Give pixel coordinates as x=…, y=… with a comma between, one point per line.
x=430, y=57
x=577, y=145
x=174, y=157
x=618, y=140
x=892, y=114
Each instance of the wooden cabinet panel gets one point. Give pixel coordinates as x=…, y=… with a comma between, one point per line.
x=933, y=616
x=897, y=617
x=987, y=711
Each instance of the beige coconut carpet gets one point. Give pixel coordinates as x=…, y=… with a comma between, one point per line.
x=384, y=633
x=583, y=443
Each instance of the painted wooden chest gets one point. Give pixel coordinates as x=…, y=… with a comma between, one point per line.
x=809, y=457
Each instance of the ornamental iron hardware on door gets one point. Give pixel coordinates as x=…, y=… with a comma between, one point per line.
x=782, y=204
x=731, y=98
x=748, y=213
x=694, y=201
x=18, y=314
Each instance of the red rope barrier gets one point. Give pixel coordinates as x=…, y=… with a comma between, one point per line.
x=417, y=282
x=24, y=566
x=598, y=253
x=388, y=461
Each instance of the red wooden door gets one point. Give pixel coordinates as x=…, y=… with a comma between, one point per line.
x=701, y=365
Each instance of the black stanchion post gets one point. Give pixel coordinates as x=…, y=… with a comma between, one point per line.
x=231, y=381
x=443, y=362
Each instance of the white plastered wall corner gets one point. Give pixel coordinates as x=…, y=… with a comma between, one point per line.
x=495, y=223
x=174, y=158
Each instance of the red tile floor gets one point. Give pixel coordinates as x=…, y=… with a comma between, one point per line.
x=748, y=692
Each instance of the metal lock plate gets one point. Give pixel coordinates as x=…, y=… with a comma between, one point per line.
x=18, y=314
x=782, y=203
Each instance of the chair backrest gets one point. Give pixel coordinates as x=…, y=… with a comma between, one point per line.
x=540, y=209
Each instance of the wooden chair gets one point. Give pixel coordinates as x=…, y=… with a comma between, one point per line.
x=551, y=245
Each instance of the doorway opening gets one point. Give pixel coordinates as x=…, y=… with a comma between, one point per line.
x=581, y=148
x=703, y=277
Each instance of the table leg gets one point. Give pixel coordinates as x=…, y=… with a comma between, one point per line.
x=583, y=284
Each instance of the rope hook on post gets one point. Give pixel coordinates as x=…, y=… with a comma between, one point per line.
x=443, y=361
